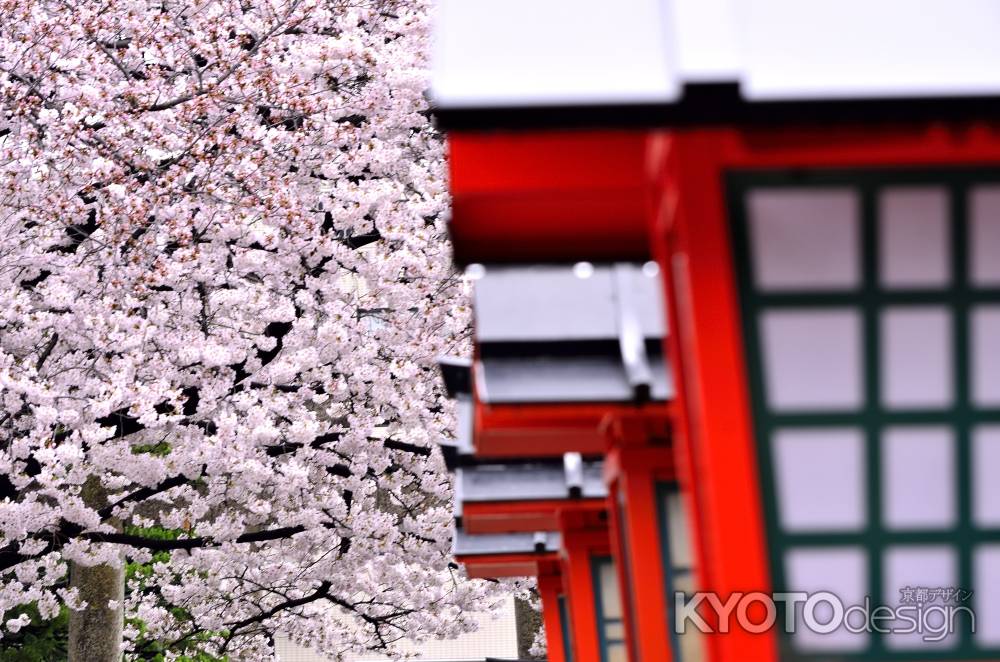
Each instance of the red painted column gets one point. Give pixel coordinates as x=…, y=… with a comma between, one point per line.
x=580, y=545
x=639, y=552
x=549, y=587
x=705, y=347
x=619, y=549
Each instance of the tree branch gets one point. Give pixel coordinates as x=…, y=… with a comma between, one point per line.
x=187, y=543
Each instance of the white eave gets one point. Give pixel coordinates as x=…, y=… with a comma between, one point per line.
x=522, y=53
x=548, y=52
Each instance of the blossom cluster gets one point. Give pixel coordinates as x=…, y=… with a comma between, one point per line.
x=224, y=280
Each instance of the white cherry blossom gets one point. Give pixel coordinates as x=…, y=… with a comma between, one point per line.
x=224, y=279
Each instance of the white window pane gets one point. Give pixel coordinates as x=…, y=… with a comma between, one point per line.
x=986, y=601
x=678, y=531
x=913, y=238
x=610, y=600
x=984, y=236
x=985, y=356
x=986, y=475
x=692, y=646
x=616, y=653
x=918, y=477
x=804, y=239
x=916, y=357
x=812, y=359
x=683, y=582
x=820, y=476
x=918, y=567
x=842, y=571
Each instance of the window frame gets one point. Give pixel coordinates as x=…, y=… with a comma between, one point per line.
x=565, y=625
x=663, y=490
x=872, y=298
x=597, y=563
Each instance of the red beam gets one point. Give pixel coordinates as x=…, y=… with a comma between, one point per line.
x=548, y=196
x=524, y=516
x=550, y=430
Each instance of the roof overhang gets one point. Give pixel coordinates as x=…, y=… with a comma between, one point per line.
x=777, y=59
x=494, y=555
x=529, y=496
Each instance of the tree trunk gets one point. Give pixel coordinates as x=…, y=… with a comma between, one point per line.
x=95, y=633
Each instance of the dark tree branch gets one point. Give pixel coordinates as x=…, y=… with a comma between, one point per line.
x=322, y=591
x=187, y=543
x=145, y=493
x=67, y=531
x=47, y=351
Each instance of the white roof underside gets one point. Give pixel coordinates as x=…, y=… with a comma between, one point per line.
x=515, y=304
x=525, y=52
x=496, y=53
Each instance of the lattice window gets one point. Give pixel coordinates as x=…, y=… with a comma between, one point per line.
x=610, y=623
x=871, y=314
x=678, y=569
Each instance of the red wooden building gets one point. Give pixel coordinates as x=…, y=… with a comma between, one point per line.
x=547, y=500
x=810, y=401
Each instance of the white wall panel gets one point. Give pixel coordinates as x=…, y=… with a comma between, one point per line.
x=820, y=476
x=918, y=477
x=496, y=637
x=916, y=567
x=678, y=531
x=804, y=239
x=913, y=238
x=842, y=571
x=984, y=236
x=986, y=601
x=916, y=357
x=985, y=357
x=986, y=476
x=812, y=359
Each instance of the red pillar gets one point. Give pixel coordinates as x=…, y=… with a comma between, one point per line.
x=693, y=249
x=550, y=587
x=580, y=545
x=639, y=553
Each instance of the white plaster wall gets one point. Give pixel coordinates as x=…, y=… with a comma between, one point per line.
x=494, y=638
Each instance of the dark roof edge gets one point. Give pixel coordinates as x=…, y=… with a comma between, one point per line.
x=456, y=373
x=455, y=459
x=721, y=104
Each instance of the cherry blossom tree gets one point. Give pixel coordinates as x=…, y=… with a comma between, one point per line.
x=223, y=283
